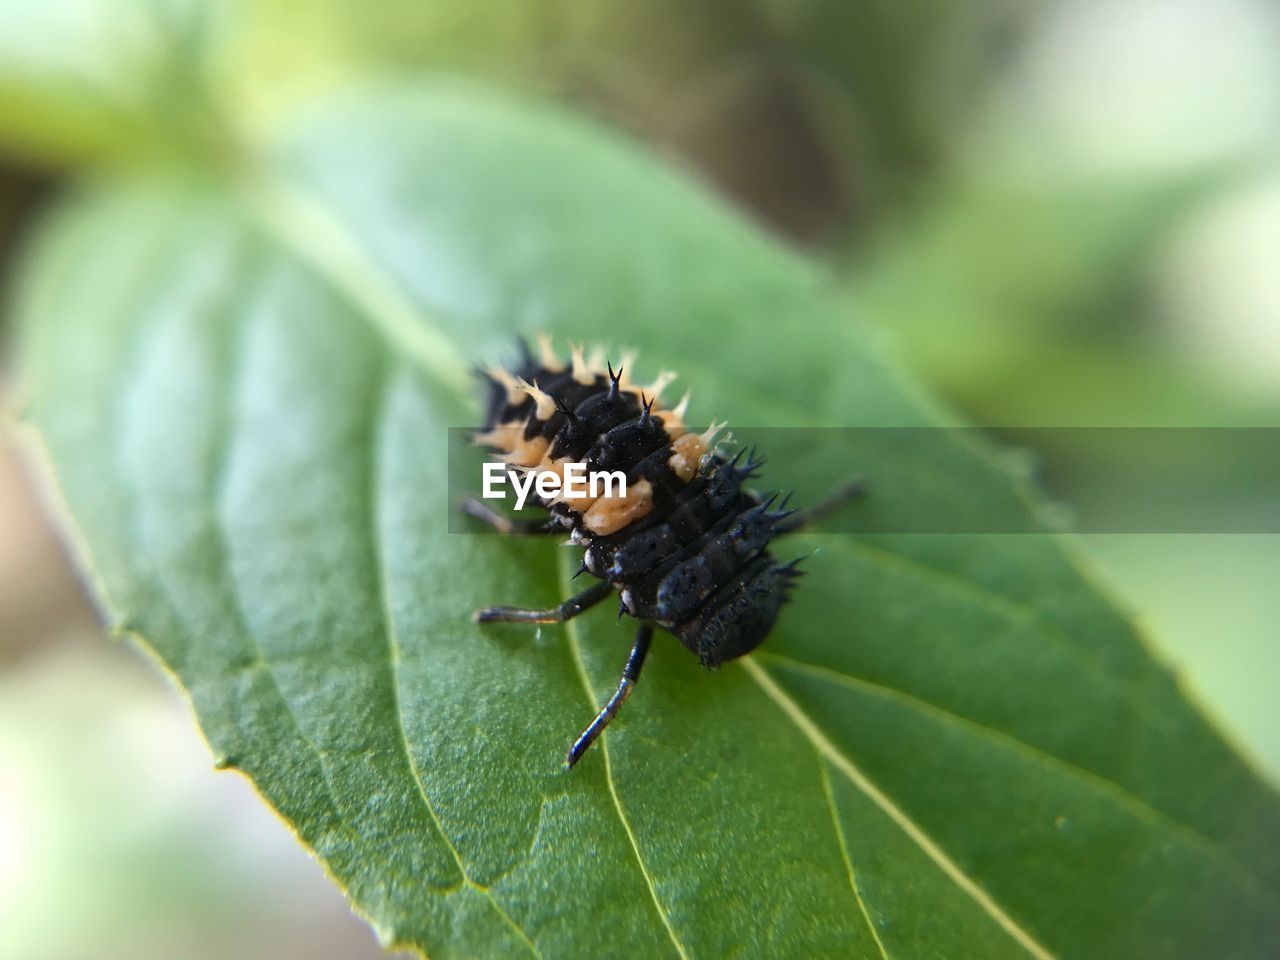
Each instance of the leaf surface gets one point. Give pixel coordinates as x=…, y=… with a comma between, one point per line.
x=951, y=746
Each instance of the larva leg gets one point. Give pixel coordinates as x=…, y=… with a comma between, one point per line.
x=566, y=611
x=507, y=526
x=630, y=674
x=844, y=494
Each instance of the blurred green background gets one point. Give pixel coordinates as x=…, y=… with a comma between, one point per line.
x=1055, y=214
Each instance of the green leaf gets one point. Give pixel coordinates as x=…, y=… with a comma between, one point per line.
x=88, y=79
x=952, y=746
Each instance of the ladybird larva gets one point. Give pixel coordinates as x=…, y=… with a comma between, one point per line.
x=686, y=546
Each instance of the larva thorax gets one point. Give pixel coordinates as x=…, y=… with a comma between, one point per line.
x=546, y=415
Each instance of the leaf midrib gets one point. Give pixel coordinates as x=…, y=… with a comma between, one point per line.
x=300, y=224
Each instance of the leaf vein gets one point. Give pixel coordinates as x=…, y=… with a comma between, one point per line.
x=1011, y=610
x=301, y=224
x=575, y=649
x=1139, y=807
x=844, y=854
x=233, y=349
x=388, y=629
x=895, y=813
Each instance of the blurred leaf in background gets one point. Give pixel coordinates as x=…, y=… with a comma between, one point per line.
x=93, y=81
x=117, y=839
x=821, y=116
x=1054, y=275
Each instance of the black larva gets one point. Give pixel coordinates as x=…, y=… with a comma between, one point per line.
x=686, y=547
